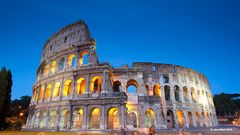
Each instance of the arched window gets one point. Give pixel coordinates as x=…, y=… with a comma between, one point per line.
x=52, y=120
x=149, y=118
x=78, y=118
x=133, y=119
x=48, y=91
x=95, y=118
x=41, y=92
x=117, y=86
x=46, y=71
x=96, y=84
x=192, y=93
x=62, y=64
x=67, y=89
x=170, y=119
x=132, y=86
x=176, y=92
x=157, y=90
x=84, y=58
x=185, y=91
x=180, y=117
x=53, y=67
x=165, y=79
x=71, y=61
x=56, y=89
x=64, y=119
x=167, y=92
x=150, y=93
x=80, y=86
x=43, y=119
x=113, y=118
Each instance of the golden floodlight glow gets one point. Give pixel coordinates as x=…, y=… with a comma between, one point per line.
x=80, y=86
x=56, y=89
x=53, y=66
x=67, y=89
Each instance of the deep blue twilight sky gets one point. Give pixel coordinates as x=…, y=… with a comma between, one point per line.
x=201, y=34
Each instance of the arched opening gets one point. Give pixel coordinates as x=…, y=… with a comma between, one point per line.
x=36, y=119
x=67, y=89
x=80, y=86
x=52, y=120
x=113, y=118
x=41, y=92
x=150, y=93
x=48, y=91
x=46, y=71
x=190, y=120
x=64, y=119
x=83, y=60
x=185, y=91
x=167, y=92
x=132, y=86
x=133, y=118
x=56, y=89
x=157, y=90
x=176, y=93
x=78, y=118
x=170, y=119
x=149, y=118
x=96, y=84
x=62, y=64
x=165, y=79
x=197, y=119
x=71, y=61
x=117, y=86
x=180, y=117
x=193, y=94
x=43, y=119
x=203, y=120
x=53, y=66
x=95, y=118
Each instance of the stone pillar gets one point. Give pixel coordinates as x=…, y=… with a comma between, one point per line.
x=142, y=117
x=200, y=120
x=74, y=79
x=122, y=116
x=186, y=124
x=47, y=117
x=70, y=115
x=189, y=94
x=175, y=119
x=194, y=123
x=50, y=98
x=181, y=96
x=86, y=116
x=39, y=118
x=61, y=88
x=172, y=94
x=103, y=119
x=58, y=121
x=88, y=83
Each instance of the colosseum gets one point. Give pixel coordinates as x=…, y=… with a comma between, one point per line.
x=75, y=92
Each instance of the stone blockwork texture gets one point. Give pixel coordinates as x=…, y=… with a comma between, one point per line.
x=74, y=92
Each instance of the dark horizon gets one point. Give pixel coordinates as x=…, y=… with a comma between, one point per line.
x=201, y=35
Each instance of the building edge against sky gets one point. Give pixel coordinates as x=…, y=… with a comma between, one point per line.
x=74, y=92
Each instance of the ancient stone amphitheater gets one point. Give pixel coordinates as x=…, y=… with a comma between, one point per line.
x=74, y=92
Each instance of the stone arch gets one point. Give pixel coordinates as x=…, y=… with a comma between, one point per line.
x=41, y=92
x=165, y=79
x=80, y=86
x=62, y=64
x=71, y=61
x=36, y=119
x=185, y=93
x=150, y=118
x=94, y=119
x=167, y=92
x=64, y=119
x=170, y=119
x=197, y=119
x=67, y=88
x=52, y=119
x=157, y=90
x=43, y=119
x=113, y=118
x=56, y=89
x=96, y=84
x=78, y=116
x=180, y=118
x=53, y=66
x=176, y=92
x=84, y=58
x=117, y=86
x=190, y=120
x=133, y=118
x=132, y=86
x=48, y=91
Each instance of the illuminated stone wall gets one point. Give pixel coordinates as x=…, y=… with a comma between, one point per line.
x=75, y=92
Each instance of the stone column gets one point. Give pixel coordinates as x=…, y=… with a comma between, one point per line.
x=39, y=118
x=181, y=96
x=122, y=116
x=74, y=79
x=142, y=116
x=186, y=124
x=61, y=88
x=70, y=115
x=86, y=116
x=47, y=117
x=103, y=118
x=88, y=83
x=194, y=123
x=50, y=98
x=172, y=94
x=175, y=119
x=200, y=120
x=58, y=121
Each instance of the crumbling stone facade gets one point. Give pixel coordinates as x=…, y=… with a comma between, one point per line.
x=74, y=92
